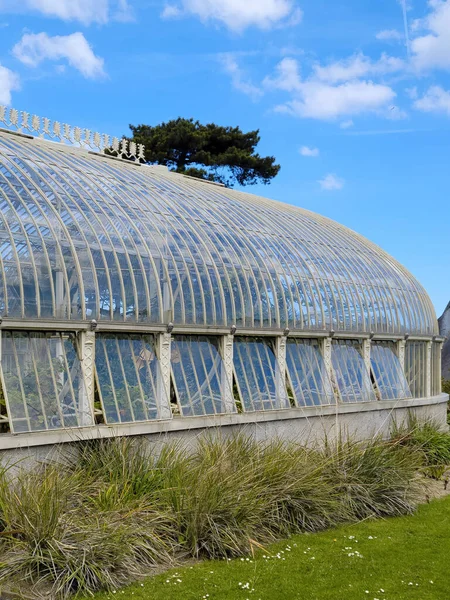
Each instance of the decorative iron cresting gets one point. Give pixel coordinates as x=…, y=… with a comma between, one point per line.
x=44, y=128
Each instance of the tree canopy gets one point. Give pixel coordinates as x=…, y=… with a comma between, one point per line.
x=212, y=152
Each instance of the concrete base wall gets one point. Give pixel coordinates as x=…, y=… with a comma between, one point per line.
x=307, y=426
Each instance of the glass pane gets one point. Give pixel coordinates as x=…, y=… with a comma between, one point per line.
x=43, y=381
x=260, y=383
x=198, y=372
x=436, y=349
x=387, y=371
x=129, y=378
x=307, y=373
x=416, y=367
x=352, y=376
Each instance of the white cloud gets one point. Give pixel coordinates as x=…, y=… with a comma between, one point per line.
x=238, y=77
x=433, y=49
x=390, y=35
x=237, y=15
x=346, y=124
x=358, y=66
x=331, y=182
x=334, y=90
x=287, y=76
x=311, y=152
x=123, y=12
x=170, y=11
x=9, y=82
x=436, y=100
x=35, y=48
x=318, y=100
x=85, y=11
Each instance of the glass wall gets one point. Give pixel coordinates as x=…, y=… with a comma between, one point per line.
x=388, y=373
x=43, y=381
x=129, y=379
x=307, y=373
x=436, y=384
x=352, y=377
x=198, y=374
x=261, y=385
x=82, y=237
x=416, y=367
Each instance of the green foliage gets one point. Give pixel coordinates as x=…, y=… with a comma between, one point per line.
x=428, y=439
x=446, y=386
x=118, y=507
x=446, y=390
x=212, y=152
x=69, y=534
x=374, y=479
x=404, y=558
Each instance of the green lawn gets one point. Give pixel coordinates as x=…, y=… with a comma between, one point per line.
x=403, y=558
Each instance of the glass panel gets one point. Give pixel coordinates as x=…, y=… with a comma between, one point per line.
x=129, y=378
x=307, y=373
x=43, y=382
x=119, y=236
x=352, y=376
x=199, y=377
x=260, y=383
x=436, y=349
x=416, y=367
x=387, y=371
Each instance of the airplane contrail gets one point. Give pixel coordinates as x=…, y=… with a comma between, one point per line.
x=405, y=24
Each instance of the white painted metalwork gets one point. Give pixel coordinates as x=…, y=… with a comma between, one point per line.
x=86, y=346
x=227, y=372
x=27, y=124
x=138, y=245
x=280, y=353
x=164, y=352
x=401, y=353
x=365, y=348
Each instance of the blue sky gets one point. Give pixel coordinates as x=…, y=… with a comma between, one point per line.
x=352, y=97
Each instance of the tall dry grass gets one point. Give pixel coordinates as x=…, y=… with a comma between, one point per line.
x=120, y=508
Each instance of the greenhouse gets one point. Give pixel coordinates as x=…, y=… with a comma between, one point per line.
x=134, y=301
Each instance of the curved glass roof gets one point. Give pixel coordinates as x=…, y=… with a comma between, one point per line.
x=84, y=236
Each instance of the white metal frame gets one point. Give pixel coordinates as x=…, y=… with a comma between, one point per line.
x=117, y=246
x=148, y=245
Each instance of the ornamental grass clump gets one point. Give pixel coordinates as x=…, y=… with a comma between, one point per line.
x=299, y=496
x=56, y=535
x=220, y=501
x=427, y=438
x=118, y=508
x=373, y=478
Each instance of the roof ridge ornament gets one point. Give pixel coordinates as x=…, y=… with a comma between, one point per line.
x=44, y=128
